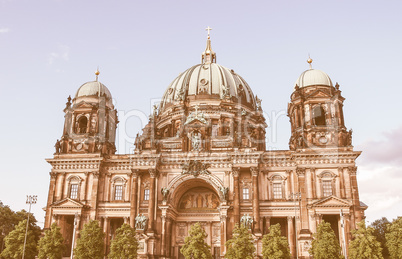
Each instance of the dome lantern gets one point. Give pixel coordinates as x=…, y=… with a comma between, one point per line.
x=208, y=56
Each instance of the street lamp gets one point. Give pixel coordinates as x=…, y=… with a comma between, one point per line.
x=31, y=199
x=74, y=229
x=296, y=197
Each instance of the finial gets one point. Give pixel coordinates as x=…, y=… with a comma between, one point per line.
x=208, y=29
x=97, y=74
x=208, y=56
x=309, y=61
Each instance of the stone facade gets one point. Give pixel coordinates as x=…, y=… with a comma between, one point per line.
x=202, y=158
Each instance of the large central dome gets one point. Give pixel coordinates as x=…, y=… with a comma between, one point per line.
x=208, y=81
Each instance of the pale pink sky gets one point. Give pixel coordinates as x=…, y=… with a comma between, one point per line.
x=49, y=48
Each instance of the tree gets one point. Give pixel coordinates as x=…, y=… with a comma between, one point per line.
x=325, y=244
x=394, y=238
x=380, y=229
x=124, y=244
x=90, y=242
x=51, y=246
x=10, y=219
x=240, y=246
x=195, y=246
x=274, y=245
x=15, y=243
x=364, y=244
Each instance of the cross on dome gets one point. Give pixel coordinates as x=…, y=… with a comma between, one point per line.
x=208, y=29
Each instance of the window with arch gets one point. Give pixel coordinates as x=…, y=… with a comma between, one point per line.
x=74, y=187
x=277, y=187
x=327, y=184
x=82, y=124
x=319, y=116
x=118, y=188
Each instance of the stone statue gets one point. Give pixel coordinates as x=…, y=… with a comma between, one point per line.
x=258, y=101
x=247, y=221
x=196, y=142
x=165, y=193
x=225, y=91
x=140, y=222
x=138, y=142
x=224, y=190
x=57, y=147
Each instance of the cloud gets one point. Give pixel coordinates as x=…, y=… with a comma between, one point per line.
x=4, y=30
x=62, y=53
x=385, y=149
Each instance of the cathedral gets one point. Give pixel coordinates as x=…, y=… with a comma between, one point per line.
x=202, y=158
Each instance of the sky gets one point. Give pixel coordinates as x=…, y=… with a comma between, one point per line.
x=49, y=48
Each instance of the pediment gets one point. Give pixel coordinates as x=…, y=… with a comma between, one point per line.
x=67, y=203
x=319, y=94
x=331, y=201
x=84, y=105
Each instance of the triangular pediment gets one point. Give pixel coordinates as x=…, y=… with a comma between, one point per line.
x=67, y=203
x=331, y=201
x=319, y=94
x=84, y=105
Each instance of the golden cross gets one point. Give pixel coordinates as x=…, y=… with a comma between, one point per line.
x=208, y=29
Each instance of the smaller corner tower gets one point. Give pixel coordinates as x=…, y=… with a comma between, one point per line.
x=90, y=121
x=316, y=112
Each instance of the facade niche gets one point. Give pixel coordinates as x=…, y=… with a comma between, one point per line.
x=319, y=116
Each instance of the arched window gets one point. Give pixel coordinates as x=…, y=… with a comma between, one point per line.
x=118, y=188
x=82, y=124
x=74, y=187
x=277, y=186
x=327, y=183
x=319, y=116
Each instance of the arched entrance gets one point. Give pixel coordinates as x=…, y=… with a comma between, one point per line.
x=197, y=199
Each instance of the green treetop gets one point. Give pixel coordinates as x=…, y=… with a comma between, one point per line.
x=124, y=244
x=380, y=229
x=240, y=246
x=394, y=238
x=15, y=243
x=364, y=244
x=195, y=246
x=325, y=244
x=51, y=246
x=90, y=242
x=274, y=245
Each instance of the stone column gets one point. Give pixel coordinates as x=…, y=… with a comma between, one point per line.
x=60, y=186
x=133, y=199
x=267, y=224
x=50, y=199
x=303, y=202
x=86, y=186
x=308, y=183
x=94, y=195
x=151, y=204
x=236, y=194
x=256, y=203
x=106, y=226
x=342, y=182
x=223, y=234
x=163, y=234
x=291, y=236
x=288, y=184
x=348, y=189
x=168, y=237
x=355, y=194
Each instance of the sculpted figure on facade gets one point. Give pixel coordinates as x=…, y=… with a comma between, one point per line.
x=140, y=222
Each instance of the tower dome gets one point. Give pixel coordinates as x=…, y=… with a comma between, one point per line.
x=313, y=77
x=93, y=88
x=208, y=81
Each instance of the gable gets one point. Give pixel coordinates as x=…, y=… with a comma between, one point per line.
x=67, y=204
x=319, y=94
x=331, y=201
